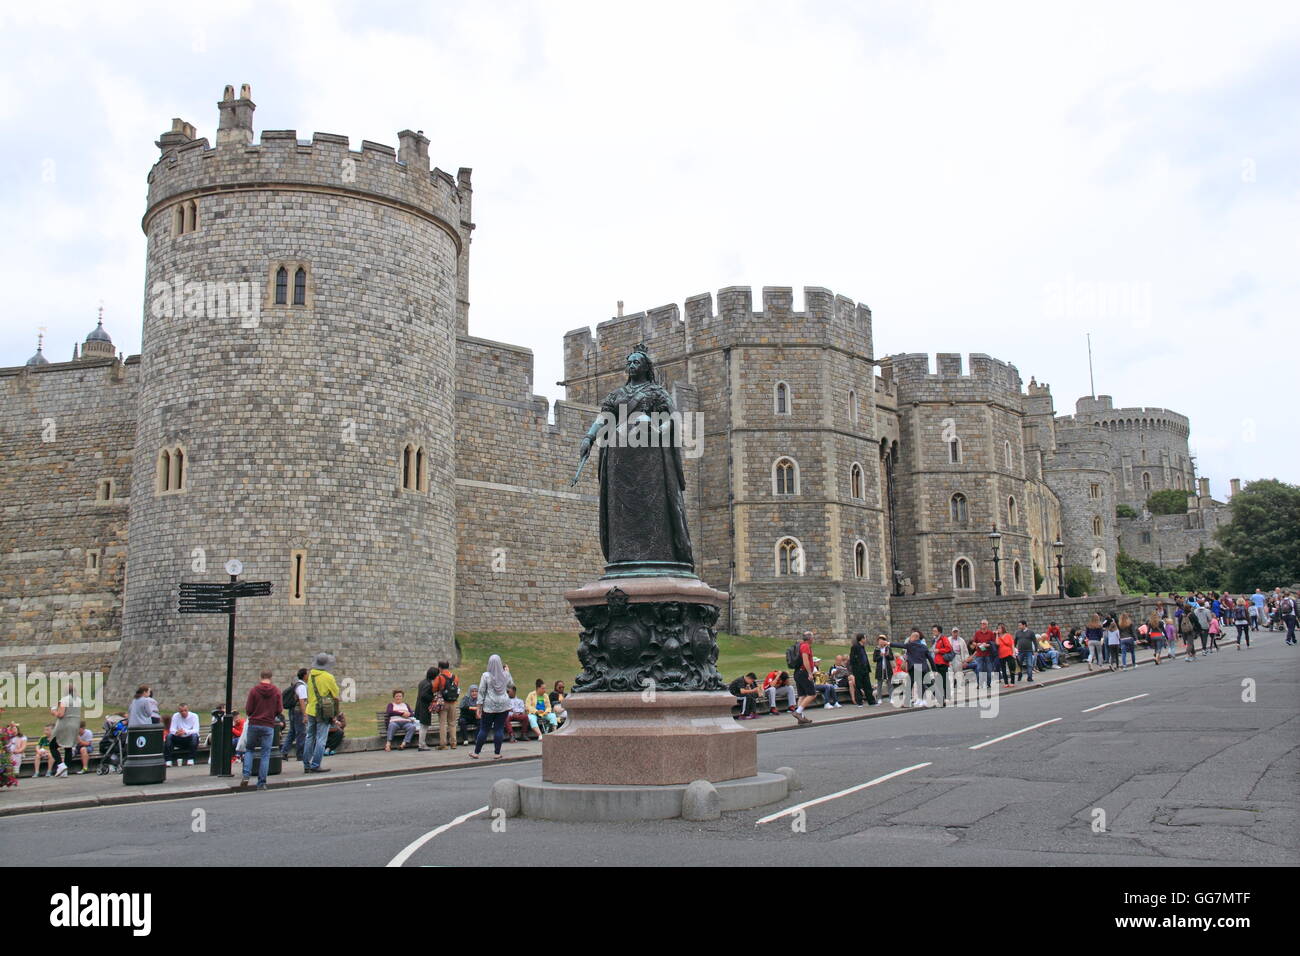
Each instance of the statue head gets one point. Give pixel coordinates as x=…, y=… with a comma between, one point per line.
x=640, y=367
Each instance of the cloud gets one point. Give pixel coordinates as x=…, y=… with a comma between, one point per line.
x=948, y=164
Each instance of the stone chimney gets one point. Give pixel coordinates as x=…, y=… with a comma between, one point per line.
x=413, y=149
x=1235, y=484
x=1203, y=485
x=180, y=134
x=236, y=124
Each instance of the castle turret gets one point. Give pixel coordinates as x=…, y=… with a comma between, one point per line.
x=98, y=344
x=297, y=407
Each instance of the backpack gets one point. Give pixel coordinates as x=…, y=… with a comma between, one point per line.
x=793, y=659
x=289, y=696
x=1185, y=624
x=450, y=688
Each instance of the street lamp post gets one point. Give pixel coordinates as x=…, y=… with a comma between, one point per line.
x=996, y=538
x=1059, y=548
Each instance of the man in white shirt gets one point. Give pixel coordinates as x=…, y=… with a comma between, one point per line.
x=183, y=735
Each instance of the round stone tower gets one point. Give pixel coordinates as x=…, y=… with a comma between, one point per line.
x=1149, y=448
x=296, y=408
x=1079, y=473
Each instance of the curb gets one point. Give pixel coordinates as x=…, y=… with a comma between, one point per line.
x=147, y=795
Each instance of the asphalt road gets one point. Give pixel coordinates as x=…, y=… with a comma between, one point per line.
x=1188, y=774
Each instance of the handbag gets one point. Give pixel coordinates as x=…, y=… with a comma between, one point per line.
x=327, y=708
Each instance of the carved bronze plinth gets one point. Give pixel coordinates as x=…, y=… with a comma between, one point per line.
x=648, y=645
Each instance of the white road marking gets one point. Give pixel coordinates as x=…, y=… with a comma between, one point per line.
x=1113, y=702
x=842, y=793
x=1014, y=733
x=415, y=845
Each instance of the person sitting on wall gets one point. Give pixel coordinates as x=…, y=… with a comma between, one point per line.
x=334, y=736
x=746, y=690
x=182, y=735
x=518, y=716
x=467, y=723
x=779, y=682
x=540, y=717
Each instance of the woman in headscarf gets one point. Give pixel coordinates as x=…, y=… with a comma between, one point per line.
x=493, y=706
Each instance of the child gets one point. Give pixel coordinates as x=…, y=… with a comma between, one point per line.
x=43, y=752
x=84, y=739
x=17, y=747
x=1215, y=631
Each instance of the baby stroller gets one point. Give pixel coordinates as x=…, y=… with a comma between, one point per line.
x=112, y=746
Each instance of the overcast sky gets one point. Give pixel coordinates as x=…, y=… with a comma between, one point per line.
x=973, y=172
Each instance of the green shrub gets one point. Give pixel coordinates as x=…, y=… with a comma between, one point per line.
x=1126, y=511
x=1078, y=580
x=1171, y=501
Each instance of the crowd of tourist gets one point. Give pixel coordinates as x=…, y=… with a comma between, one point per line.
x=936, y=668
x=935, y=671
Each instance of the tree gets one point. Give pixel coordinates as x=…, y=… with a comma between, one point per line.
x=1261, y=539
x=1078, y=580
x=1038, y=576
x=1171, y=501
x=1126, y=511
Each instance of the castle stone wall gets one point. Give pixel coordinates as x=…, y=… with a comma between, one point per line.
x=63, y=429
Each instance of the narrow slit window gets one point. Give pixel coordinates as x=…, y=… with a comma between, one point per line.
x=298, y=576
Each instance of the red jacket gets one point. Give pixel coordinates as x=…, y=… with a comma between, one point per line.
x=941, y=647
x=983, y=637
x=1006, y=645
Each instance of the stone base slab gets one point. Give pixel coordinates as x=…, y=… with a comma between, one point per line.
x=594, y=803
x=625, y=739
x=648, y=590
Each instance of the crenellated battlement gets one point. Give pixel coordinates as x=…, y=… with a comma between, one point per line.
x=1133, y=419
x=189, y=167
x=826, y=319
x=911, y=372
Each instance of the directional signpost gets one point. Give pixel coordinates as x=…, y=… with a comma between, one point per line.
x=202, y=598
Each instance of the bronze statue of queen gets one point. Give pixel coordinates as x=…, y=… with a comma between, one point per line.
x=643, y=529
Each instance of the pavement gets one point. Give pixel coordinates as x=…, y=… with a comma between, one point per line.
x=35, y=795
x=1185, y=764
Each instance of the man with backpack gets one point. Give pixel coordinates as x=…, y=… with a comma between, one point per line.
x=1287, y=611
x=322, y=708
x=446, y=692
x=1189, y=628
x=294, y=700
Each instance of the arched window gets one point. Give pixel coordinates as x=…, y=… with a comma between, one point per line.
x=1006, y=454
x=957, y=508
x=282, y=286
x=855, y=481
x=178, y=227
x=1146, y=481
x=1096, y=526
x=191, y=216
x=789, y=557
x=853, y=407
x=408, y=454
x=954, y=451
x=300, y=286
x=1011, y=512
x=963, y=577
x=785, y=477
x=178, y=470
x=419, y=469
x=860, y=567
x=781, y=399
x=164, y=478
x=1016, y=576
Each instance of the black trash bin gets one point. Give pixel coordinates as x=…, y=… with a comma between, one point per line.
x=144, y=755
x=276, y=764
